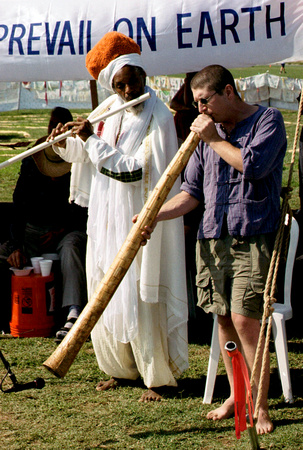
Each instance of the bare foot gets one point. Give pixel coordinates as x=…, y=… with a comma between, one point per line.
x=105, y=385
x=223, y=412
x=150, y=396
x=264, y=425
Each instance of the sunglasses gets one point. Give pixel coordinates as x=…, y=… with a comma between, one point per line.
x=203, y=101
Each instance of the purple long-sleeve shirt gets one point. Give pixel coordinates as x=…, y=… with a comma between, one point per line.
x=250, y=200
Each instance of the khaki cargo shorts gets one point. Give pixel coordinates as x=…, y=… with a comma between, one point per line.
x=232, y=272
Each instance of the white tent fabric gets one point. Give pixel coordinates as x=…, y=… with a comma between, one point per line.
x=49, y=39
x=265, y=89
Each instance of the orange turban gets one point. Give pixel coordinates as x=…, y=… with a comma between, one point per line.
x=110, y=47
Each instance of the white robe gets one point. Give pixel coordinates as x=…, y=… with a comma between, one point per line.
x=155, y=284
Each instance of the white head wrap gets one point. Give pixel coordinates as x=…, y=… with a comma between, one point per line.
x=106, y=75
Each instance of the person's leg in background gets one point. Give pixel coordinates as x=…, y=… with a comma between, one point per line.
x=72, y=250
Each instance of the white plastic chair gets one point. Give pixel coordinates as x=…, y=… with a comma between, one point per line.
x=282, y=312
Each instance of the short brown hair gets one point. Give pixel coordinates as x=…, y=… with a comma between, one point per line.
x=215, y=77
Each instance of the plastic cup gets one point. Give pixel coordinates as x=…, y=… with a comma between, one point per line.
x=35, y=263
x=46, y=267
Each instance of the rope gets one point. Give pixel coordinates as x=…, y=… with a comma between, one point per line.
x=271, y=282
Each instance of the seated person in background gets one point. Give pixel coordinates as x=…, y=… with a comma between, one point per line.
x=45, y=222
x=5, y=280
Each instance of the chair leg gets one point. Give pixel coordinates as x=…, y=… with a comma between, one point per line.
x=280, y=339
x=212, y=364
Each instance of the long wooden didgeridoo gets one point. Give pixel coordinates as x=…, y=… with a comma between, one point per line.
x=62, y=358
x=68, y=133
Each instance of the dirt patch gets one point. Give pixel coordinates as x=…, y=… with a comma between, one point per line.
x=7, y=133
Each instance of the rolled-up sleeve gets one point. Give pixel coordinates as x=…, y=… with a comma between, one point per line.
x=194, y=175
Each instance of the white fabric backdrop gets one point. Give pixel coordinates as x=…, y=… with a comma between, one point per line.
x=265, y=89
x=48, y=39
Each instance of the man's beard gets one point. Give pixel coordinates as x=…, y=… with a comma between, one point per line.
x=137, y=109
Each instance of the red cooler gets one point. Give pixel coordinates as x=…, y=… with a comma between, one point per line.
x=33, y=306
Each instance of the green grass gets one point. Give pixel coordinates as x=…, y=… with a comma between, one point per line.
x=292, y=71
x=69, y=414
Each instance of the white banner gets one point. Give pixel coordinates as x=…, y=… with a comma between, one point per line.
x=48, y=39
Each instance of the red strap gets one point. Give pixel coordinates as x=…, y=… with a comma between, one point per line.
x=45, y=92
x=100, y=128
x=242, y=392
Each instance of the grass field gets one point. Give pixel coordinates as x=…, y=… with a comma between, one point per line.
x=69, y=414
x=292, y=71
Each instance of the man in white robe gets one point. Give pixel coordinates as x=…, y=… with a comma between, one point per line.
x=116, y=165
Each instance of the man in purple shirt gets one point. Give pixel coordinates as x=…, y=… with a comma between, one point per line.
x=236, y=172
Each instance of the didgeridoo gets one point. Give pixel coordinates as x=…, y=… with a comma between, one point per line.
x=62, y=358
x=68, y=133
